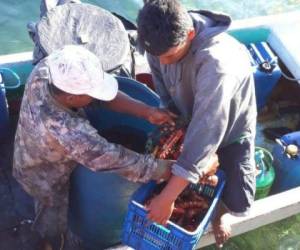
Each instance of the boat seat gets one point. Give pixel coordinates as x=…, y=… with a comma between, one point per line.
x=284, y=38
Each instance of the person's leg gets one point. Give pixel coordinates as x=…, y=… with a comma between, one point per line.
x=237, y=160
x=72, y=241
x=221, y=225
x=51, y=223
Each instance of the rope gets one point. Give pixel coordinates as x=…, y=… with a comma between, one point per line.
x=288, y=77
x=13, y=74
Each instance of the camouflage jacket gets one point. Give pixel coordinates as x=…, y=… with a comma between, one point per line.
x=51, y=139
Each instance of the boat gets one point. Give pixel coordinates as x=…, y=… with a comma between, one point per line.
x=282, y=34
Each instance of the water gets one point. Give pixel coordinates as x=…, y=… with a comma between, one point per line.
x=14, y=15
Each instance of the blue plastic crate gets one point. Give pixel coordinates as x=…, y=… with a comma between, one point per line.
x=140, y=233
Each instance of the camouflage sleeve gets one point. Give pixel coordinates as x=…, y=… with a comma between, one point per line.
x=84, y=145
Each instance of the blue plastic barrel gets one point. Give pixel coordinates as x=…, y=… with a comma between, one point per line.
x=287, y=167
x=266, y=71
x=98, y=201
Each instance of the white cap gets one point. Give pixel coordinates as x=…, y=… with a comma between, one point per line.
x=76, y=70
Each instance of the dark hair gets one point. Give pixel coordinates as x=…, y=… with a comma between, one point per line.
x=162, y=24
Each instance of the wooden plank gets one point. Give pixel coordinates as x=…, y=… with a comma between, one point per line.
x=265, y=211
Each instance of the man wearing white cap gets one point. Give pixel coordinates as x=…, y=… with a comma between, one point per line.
x=52, y=138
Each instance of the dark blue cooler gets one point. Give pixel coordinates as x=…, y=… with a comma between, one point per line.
x=266, y=71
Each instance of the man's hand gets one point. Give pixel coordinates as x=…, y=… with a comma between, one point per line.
x=160, y=116
x=209, y=172
x=123, y=103
x=161, y=206
x=212, y=166
x=160, y=209
x=163, y=171
x=211, y=180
